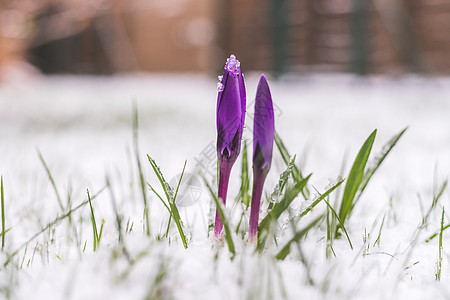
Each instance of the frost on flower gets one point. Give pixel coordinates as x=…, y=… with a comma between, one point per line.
x=232, y=65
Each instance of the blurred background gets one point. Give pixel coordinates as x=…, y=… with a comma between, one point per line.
x=279, y=36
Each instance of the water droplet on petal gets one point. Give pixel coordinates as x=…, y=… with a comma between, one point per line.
x=233, y=65
x=219, y=86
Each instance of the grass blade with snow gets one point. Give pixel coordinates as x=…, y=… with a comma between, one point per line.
x=277, y=210
x=168, y=191
x=278, y=190
x=281, y=206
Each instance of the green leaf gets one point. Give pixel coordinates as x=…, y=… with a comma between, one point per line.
x=355, y=177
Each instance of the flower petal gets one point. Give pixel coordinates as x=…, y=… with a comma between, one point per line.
x=263, y=126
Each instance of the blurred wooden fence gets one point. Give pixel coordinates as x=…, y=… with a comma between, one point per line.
x=361, y=36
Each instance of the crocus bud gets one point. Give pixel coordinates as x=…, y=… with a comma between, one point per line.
x=263, y=135
x=230, y=125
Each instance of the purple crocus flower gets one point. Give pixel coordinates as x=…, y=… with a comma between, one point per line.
x=230, y=125
x=263, y=134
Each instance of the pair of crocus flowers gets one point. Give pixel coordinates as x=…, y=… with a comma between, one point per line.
x=231, y=105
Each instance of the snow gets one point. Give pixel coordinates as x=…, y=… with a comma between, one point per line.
x=83, y=128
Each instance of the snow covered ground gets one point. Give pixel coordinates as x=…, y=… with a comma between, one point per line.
x=82, y=126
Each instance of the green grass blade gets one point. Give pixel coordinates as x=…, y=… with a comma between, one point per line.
x=226, y=225
x=296, y=173
x=355, y=177
x=6, y=231
x=439, y=262
x=3, y=212
x=278, y=190
x=341, y=223
x=437, y=196
x=297, y=236
x=321, y=197
x=52, y=181
x=166, y=187
x=168, y=191
x=245, y=180
x=179, y=181
x=160, y=198
x=176, y=214
x=51, y=224
x=139, y=167
x=436, y=233
x=378, y=161
x=94, y=223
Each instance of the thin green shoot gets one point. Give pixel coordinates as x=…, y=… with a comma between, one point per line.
x=52, y=181
x=321, y=197
x=423, y=224
x=245, y=186
x=436, y=197
x=439, y=262
x=168, y=191
x=56, y=221
x=330, y=230
x=3, y=212
x=226, y=225
x=245, y=179
x=355, y=178
x=296, y=173
x=377, y=241
x=296, y=238
x=336, y=216
x=6, y=231
x=431, y=237
x=23, y=257
x=139, y=167
x=97, y=233
x=439, y=194
x=116, y=212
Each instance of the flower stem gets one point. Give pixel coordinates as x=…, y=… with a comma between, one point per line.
x=224, y=178
x=258, y=183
